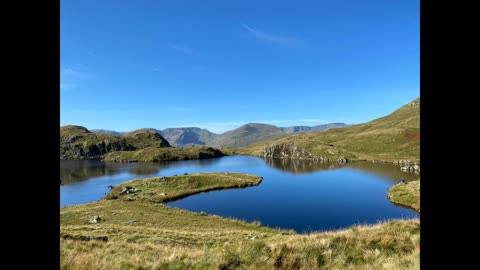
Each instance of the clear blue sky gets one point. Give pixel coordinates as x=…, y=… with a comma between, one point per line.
x=220, y=64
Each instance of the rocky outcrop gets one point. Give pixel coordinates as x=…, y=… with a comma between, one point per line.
x=77, y=142
x=415, y=168
x=95, y=219
x=408, y=166
x=89, y=145
x=326, y=153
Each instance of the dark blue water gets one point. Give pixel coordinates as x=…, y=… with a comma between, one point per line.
x=300, y=195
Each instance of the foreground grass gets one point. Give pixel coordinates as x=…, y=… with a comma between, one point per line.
x=146, y=235
x=406, y=194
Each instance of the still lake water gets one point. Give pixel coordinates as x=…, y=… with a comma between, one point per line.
x=294, y=194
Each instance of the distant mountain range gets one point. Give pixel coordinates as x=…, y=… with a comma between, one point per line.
x=239, y=137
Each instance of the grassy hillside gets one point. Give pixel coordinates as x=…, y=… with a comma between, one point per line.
x=248, y=134
x=77, y=142
x=188, y=136
x=393, y=137
x=108, y=132
x=141, y=234
x=164, y=153
x=143, y=138
x=324, y=127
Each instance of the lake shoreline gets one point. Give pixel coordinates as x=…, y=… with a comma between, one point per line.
x=126, y=225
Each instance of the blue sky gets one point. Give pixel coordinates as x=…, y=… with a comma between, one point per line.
x=126, y=65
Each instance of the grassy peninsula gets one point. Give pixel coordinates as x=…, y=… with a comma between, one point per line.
x=135, y=231
x=407, y=194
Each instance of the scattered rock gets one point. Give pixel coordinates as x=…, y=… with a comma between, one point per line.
x=95, y=219
x=163, y=194
x=127, y=190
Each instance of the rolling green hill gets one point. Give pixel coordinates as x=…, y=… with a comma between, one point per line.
x=324, y=127
x=143, y=138
x=108, y=132
x=393, y=137
x=188, y=136
x=77, y=142
x=248, y=134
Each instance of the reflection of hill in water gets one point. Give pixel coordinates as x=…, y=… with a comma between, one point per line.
x=298, y=166
x=72, y=171
x=385, y=170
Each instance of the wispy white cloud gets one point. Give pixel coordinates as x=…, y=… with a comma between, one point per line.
x=72, y=75
x=275, y=39
x=183, y=49
x=90, y=53
x=66, y=86
x=75, y=71
x=220, y=127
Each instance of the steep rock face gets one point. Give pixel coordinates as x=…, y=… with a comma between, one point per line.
x=294, y=151
x=79, y=143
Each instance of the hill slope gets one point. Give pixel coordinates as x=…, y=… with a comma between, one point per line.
x=393, y=137
x=188, y=136
x=324, y=127
x=143, y=138
x=108, y=132
x=248, y=134
x=77, y=142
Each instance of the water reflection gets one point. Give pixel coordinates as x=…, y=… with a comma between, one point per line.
x=299, y=166
x=384, y=170
x=73, y=171
x=295, y=194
